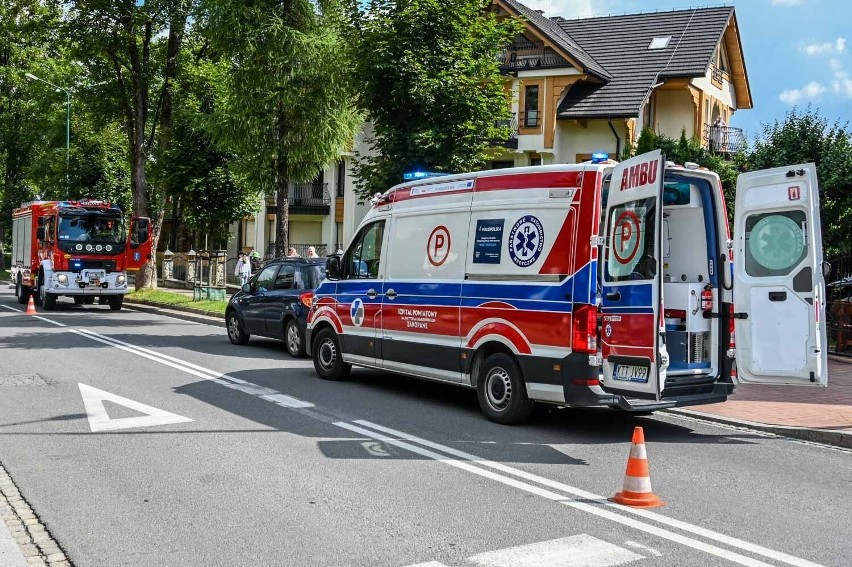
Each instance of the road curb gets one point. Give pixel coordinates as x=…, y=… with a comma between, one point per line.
x=825, y=436
x=184, y=313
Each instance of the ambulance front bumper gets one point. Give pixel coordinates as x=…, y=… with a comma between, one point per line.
x=88, y=282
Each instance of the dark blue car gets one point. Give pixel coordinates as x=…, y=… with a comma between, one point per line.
x=275, y=303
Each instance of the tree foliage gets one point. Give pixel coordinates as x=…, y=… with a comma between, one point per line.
x=288, y=108
x=803, y=136
x=431, y=86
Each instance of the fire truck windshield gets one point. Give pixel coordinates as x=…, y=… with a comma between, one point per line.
x=93, y=227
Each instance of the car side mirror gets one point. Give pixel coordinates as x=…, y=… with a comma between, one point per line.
x=246, y=287
x=332, y=267
x=40, y=233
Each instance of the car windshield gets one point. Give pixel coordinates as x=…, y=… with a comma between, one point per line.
x=315, y=274
x=91, y=228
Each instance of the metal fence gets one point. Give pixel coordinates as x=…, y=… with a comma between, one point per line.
x=838, y=306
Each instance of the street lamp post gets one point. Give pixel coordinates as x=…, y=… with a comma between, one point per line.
x=32, y=77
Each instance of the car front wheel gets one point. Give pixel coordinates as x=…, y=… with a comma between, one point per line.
x=294, y=340
x=328, y=358
x=236, y=334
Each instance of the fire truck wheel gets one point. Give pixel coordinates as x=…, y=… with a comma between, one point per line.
x=48, y=300
x=115, y=302
x=236, y=334
x=328, y=359
x=22, y=292
x=501, y=390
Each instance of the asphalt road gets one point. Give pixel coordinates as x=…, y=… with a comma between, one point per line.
x=278, y=467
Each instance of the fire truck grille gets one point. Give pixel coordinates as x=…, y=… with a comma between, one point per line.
x=106, y=265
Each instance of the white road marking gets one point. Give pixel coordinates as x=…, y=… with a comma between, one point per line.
x=375, y=449
x=12, y=309
x=574, y=551
x=58, y=324
x=638, y=545
x=99, y=420
x=226, y=380
x=601, y=506
x=428, y=564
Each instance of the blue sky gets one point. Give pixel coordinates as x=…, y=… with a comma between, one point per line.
x=796, y=51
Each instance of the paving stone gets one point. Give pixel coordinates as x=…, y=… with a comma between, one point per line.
x=56, y=557
x=29, y=549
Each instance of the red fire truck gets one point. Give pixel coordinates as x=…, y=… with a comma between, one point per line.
x=80, y=249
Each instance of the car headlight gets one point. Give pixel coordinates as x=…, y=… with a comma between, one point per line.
x=120, y=279
x=62, y=278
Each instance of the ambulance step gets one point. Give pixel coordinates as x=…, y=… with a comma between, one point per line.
x=637, y=405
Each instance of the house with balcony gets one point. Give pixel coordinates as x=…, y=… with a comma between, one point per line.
x=588, y=85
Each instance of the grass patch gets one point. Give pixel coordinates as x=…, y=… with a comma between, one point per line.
x=5, y=275
x=176, y=299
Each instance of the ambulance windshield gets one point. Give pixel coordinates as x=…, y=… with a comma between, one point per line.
x=91, y=227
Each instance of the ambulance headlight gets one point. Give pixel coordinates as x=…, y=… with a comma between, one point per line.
x=120, y=279
x=62, y=278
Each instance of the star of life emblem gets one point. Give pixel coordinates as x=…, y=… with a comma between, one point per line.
x=357, y=312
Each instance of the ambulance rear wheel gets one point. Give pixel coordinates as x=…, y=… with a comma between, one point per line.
x=328, y=358
x=501, y=390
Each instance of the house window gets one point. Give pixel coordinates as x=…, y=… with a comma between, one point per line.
x=531, y=106
x=660, y=42
x=535, y=160
x=341, y=178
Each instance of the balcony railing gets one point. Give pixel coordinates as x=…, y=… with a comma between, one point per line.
x=522, y=55
x=511, y=141
x=305, y=195
x=724, y=139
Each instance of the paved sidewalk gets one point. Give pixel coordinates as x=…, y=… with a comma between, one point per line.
x=816, y=414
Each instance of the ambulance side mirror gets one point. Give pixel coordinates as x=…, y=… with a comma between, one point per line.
x=332, y=267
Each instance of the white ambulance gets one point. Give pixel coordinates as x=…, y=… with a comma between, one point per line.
x=595, y=284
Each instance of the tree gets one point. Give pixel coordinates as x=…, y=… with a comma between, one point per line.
x=288, y=108
x=432, y=87
x=124, y=40
x=804, y=136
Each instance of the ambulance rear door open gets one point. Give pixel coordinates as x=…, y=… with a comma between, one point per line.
x=779, y=288
x=631, y=278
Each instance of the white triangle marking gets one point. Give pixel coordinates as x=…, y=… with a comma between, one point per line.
x=99, y=419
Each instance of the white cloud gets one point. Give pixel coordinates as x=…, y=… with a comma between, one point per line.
x=564, y=8
x=841, y=83
x=809, y=92
x=836, y=46
x=787, y=2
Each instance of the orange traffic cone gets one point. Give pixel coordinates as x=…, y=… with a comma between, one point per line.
x=31, y=306
x=637, y=479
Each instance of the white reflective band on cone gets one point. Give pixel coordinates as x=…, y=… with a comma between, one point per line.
x=638, y=452
x=637, y=484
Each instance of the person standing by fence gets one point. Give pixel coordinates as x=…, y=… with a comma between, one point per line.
x=243, y=269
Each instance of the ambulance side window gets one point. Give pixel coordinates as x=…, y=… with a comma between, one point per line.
x=630, y=252
x=364, y=256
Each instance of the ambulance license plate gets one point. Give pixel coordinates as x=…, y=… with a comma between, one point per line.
x=630, y=373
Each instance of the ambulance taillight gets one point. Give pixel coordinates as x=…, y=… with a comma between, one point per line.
x=585, y=325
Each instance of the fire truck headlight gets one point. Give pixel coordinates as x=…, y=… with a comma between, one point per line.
x=62, y=278
x=120, y=279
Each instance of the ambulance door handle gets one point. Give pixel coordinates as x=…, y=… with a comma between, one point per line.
x=371, y=293
x=777, y=296
x=390, y=294
x=614, y=296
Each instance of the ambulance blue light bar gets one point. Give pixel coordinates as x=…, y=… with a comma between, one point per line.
x=599, y=157
x=414, y=175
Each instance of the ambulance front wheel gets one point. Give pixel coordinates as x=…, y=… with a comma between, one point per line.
x=501, y=390
x=328, y=358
